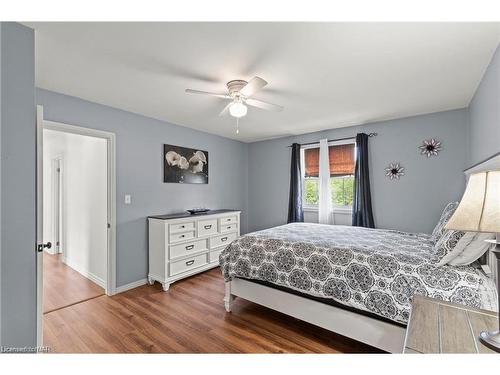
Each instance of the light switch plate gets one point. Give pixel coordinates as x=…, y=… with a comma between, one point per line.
x=128, y=199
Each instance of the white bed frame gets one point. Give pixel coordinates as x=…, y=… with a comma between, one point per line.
x=372, y=331
x=383, y=335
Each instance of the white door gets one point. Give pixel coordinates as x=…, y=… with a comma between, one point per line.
x=39, y=224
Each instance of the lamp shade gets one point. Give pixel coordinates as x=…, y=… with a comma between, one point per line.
x=479, y=209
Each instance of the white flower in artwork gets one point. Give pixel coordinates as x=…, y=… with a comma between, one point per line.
x=430, y=147
x=183, y=163
x=197, y=167
x=172, y=158
x=196, y=161
x=200, y=155
x=394, y=171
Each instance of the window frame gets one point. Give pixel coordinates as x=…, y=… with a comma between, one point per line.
x=315, y=207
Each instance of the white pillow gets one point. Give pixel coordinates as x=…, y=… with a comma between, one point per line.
x=474, y=250
x=444, y=249
x=459, y=247
x=468, y=249
x=439, y=230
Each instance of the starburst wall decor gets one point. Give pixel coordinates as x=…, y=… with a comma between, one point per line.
x=430, y=147
x=394, y=171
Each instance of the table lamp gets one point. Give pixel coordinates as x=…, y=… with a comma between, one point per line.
x=479, y=211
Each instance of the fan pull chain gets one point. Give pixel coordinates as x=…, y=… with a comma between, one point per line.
x=237, y=125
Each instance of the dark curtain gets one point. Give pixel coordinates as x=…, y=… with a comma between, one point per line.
x=362, y=214
x=295, y=212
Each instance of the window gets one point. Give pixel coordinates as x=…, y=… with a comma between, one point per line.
x=342, y=163
x=311, y=176
x=342, y=191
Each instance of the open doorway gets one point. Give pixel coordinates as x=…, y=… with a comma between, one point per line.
x=76, y=219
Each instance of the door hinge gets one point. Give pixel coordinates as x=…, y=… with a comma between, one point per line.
x=109, y=225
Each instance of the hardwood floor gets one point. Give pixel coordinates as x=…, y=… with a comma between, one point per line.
x=189, y=318
x=63, y=286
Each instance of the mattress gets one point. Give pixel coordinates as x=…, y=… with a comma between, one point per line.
x=371, y=271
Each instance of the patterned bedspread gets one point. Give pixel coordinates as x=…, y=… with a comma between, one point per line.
x=368, y=269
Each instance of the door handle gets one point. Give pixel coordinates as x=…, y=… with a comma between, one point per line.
x=42, y=246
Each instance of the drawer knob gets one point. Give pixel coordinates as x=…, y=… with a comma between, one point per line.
x=190, y=262
x=183, y=226
x=190, y=247
x=208, y=226
x=223, y=239
x=182, y=236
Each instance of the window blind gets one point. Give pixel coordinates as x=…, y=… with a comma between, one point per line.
x=342, y=160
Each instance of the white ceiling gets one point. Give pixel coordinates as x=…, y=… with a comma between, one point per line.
x=326, y=75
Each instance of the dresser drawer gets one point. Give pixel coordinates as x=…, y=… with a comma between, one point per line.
x=207, y=227
x=222, y=240
x=187, y=248
x=225, y=228
x=228, y=220
x=181, y=227
x=178, y=237
x=187, y=264
x=214, y=255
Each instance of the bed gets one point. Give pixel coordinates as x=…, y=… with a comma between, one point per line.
x=371, y=273
x=357, y=282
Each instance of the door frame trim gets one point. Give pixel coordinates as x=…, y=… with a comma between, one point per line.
x=111, y=168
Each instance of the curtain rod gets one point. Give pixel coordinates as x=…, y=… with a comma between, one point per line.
x=334, y=140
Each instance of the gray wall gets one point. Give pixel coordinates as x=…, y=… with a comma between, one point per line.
x=484, y=112
x=412, y=204
x=18, y=231
x=139, y=147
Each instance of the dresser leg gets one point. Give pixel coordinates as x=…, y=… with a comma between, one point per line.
x=165, y=286
x=150, y=280
x=228, y=298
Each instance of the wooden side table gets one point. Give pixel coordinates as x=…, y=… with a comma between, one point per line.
x=442, y=327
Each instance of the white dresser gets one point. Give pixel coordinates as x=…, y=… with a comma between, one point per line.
x=181, y=245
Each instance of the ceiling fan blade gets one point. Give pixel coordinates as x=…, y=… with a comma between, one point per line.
x=264, y=105
x=225, y=111
x=223, y=96
x=254, y=85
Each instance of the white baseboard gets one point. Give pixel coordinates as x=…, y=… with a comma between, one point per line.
x=135, y=284
x=85, y=273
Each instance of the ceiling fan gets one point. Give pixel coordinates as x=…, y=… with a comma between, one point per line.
x=240, y=93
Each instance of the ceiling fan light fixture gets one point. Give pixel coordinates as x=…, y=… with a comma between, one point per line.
x=240, y=94
x=238, y=109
